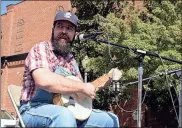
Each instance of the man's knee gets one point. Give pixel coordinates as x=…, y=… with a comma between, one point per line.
x=63, y=117
x=114, y=118
x=100, y=118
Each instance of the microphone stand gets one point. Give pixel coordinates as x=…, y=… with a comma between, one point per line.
x=179, y=74
x=140, y=73
x=180, y=102
x=141, y=54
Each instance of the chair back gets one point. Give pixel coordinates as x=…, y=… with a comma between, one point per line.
x=14, y=93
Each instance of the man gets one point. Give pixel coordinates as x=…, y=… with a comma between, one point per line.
x=41, y=82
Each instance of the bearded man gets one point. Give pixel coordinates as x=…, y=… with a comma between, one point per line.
x=41, y=81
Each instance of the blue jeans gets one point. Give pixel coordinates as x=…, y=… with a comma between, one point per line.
x=40, y=112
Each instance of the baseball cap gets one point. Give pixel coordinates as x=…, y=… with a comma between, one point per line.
x=68, y=16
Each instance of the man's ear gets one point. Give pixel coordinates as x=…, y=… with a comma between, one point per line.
x=76, y=35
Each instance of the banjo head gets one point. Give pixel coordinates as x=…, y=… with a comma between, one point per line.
x=83, y=109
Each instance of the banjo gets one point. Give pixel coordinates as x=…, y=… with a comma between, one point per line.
x=79, y=104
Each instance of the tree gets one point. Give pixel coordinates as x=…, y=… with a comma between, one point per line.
x=156, y=27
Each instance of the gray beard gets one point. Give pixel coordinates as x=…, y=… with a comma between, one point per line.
x=62, y=50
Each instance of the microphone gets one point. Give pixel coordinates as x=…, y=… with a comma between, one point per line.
x=83, y=37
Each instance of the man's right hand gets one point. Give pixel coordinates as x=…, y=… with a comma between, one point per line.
x=89, y=90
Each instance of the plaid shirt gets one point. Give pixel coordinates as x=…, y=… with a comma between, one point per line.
x=42, y=56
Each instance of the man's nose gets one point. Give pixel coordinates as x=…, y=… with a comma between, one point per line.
x=64, y=30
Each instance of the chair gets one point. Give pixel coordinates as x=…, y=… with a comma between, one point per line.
x=14, y=93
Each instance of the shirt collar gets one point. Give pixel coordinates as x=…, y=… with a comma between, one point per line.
x=50, y=45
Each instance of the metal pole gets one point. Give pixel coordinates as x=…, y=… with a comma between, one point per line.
x=180, y=102
x=139, y=108
x=140, y=73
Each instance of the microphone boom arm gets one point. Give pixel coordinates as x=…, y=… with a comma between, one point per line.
x=148, y=53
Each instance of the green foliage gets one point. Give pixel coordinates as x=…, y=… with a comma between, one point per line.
x=155, y=28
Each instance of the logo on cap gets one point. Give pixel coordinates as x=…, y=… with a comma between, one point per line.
x=67, y=15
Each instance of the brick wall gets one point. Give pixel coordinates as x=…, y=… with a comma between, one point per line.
x=126, y=110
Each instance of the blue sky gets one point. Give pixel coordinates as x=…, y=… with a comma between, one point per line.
x=5, y=3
